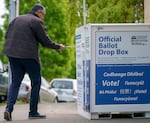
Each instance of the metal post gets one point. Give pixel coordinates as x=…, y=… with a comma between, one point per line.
x=14, y=9
x=17, y=7
x=85, y=57
x=84, y=12
x=13, y=12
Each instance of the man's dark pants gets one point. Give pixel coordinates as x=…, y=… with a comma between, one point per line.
x=18, y=69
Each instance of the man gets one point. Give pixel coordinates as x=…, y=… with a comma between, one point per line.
x=22, y=39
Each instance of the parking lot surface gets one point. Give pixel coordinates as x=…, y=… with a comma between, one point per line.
x=60, y=113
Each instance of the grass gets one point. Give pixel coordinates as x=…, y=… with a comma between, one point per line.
x=18, y=102
x=2, y=103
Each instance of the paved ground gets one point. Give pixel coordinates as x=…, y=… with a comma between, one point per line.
x=60, y=113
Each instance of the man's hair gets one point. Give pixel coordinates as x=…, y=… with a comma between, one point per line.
x=37, y=7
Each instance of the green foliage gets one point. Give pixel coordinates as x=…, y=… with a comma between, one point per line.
x=116, y=11
x=2, y=33
x=58, y=64
x=54, y=63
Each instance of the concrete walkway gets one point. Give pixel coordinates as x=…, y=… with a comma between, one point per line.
x=60, y=113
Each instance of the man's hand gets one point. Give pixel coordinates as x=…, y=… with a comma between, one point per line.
x=61, y=47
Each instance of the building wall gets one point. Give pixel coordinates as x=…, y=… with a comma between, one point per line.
x=147, y=11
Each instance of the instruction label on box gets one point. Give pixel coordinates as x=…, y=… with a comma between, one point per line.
x=122, y=67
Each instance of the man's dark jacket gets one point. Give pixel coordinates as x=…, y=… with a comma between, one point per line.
x=24, y=35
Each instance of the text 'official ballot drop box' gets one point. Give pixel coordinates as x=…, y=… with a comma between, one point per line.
x=113, y=69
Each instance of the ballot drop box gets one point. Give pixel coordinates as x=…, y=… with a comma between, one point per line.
x=113, y=70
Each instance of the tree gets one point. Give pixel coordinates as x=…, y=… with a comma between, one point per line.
x=56, y=64
x=2, y=33
x=116, y=11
